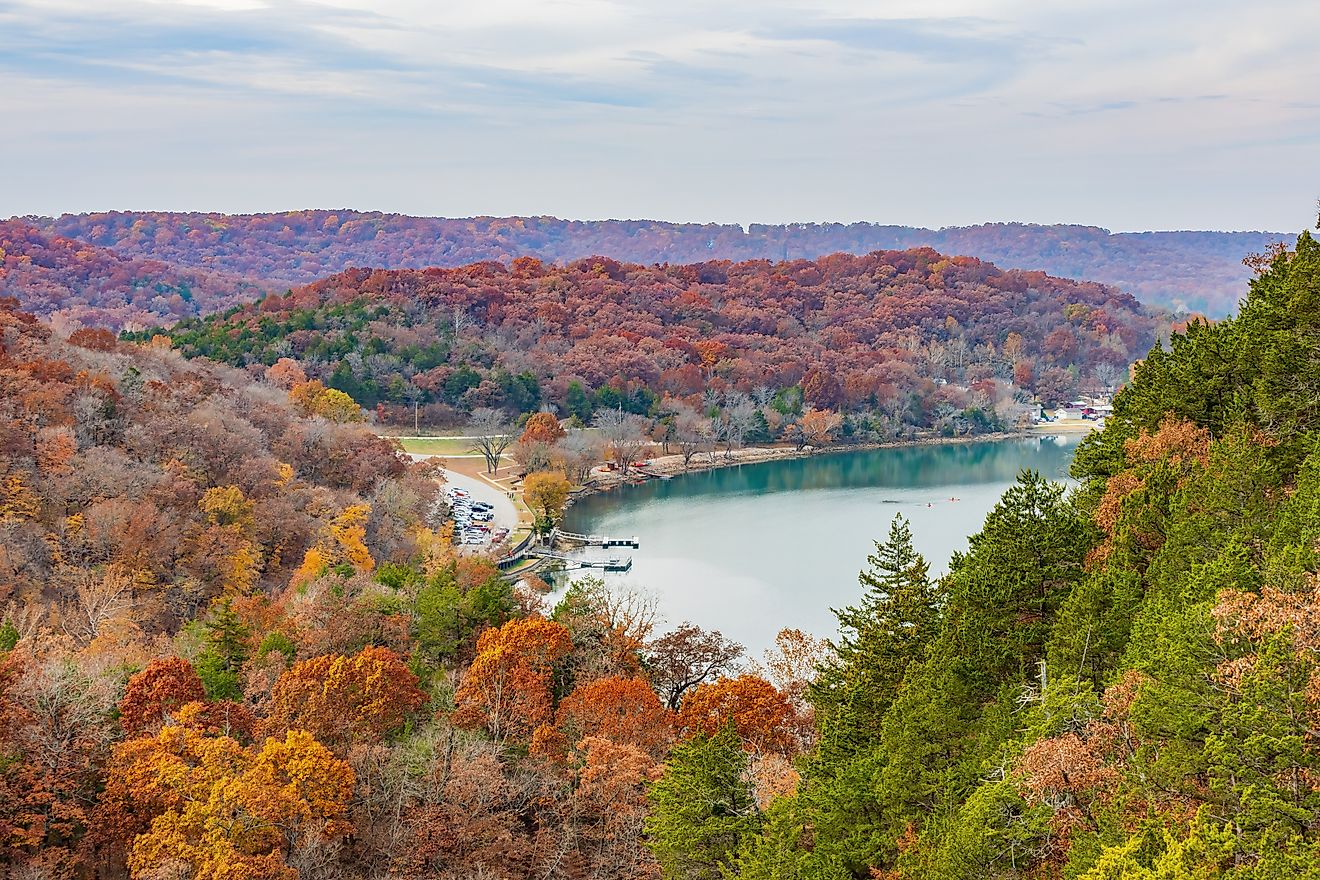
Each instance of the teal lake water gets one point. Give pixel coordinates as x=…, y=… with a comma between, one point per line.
x=749, y=550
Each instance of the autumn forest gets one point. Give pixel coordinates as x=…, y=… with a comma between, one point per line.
x=135, y=269
x=239, y=640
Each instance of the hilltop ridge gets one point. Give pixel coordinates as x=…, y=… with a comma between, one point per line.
x=1181, y=270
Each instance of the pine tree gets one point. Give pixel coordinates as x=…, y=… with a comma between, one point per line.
x=879, y=638
x=702, y=807
x=226, y=651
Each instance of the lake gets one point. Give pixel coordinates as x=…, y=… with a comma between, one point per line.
x=751, y=549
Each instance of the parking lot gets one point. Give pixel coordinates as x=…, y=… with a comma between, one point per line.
x=474, y=520
x=482, y=513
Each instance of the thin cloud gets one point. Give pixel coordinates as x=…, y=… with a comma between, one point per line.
x=924, y=113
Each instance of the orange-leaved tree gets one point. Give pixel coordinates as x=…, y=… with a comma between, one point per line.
x=761, y=714
x=342, y=700
x=818, y=426
x=506, y=690
x=626, y=711
x=611, y=804
x=223, y=810
x=156, y=693
x=52, y=736
x=542, y=427
x=286, y=373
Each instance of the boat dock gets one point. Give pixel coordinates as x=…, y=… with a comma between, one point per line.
x=513, y=568
x=611, y=564
x=595, y=540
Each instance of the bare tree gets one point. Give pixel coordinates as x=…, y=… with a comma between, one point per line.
x=462, y=320
x=625, y=434
x=1107, y=375
x=534, y=455
x=739, y=417
x=711, y=430
x=689, y=427
x=491, y=433
x=957, y=352
x=665, y=427
x=414, y=395
x=684, y=658
x=578, y=452
x=99, y=602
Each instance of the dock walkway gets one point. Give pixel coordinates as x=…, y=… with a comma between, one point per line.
x=595, y=540
x=612, y=564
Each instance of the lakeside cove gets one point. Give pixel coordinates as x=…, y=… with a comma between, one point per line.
x=668, y=466
x=526, y=555
x=749, y=550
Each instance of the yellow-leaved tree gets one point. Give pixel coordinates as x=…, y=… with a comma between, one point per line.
x=546, y=493
x=343, y=542
x=17, y=499
x=224, y=811
x=231, y=519
x=314, y=399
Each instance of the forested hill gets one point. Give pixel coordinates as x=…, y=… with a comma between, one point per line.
x=913, y=338
x=183, y=475
x=74, y=283
x=1188, y=271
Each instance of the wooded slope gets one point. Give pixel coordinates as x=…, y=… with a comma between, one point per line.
x=74, y=283
x=1116, y=682
x=1191, y=271
x=884, y=332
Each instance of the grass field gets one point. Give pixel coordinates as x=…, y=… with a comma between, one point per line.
x=436, y=446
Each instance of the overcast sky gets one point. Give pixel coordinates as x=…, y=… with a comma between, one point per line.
x=1129, y=115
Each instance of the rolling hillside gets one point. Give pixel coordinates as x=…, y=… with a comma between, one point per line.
x=1187, y=271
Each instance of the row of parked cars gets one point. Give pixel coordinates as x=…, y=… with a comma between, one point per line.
x=472, y=519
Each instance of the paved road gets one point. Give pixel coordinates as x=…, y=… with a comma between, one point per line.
x=506, y=515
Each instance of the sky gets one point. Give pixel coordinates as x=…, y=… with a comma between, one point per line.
x=1127, y=115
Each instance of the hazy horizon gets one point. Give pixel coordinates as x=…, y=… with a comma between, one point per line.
x=1182, y=116
x=745, y=225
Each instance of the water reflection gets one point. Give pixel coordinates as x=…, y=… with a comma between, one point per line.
x=754, y=548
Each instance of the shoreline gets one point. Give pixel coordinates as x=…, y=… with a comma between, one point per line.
x=670, y=466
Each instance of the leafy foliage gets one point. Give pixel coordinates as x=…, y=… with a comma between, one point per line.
x=914, y=338
x=1114, y=681
x=72, y=281
x=1195, y=271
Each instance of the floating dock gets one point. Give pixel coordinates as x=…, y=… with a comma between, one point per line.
x=611, y=564
x=597, y=540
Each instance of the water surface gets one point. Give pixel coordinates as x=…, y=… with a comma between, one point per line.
x=751, y=549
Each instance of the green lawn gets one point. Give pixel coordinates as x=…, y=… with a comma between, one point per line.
x=437, y=446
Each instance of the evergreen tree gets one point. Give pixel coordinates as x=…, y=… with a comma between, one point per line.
x=879, y=638
x=702, y=808
x=578, y=402
x=226, y=650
